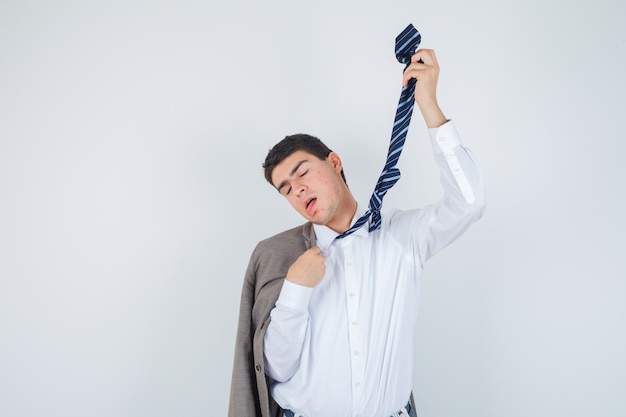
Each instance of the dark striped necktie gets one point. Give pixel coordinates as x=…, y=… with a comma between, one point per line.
x=407, y=43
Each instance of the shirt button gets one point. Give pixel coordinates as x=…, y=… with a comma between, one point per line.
x=356, y=353
x=354, y=323
x=351, y=294
x=358, y=384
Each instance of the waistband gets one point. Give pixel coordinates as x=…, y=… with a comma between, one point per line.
x=404, y=412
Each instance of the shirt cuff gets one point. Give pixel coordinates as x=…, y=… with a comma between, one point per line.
x=445, y=137
x=294, y=297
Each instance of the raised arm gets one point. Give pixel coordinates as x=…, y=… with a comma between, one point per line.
x=436, y=226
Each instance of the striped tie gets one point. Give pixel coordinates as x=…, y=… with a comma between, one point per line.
x=407, y=43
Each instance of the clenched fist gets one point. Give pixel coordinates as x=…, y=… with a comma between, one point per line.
x=309, y=269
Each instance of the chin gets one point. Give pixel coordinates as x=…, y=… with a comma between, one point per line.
x=317, y=220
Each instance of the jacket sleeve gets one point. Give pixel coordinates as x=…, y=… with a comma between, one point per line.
x=250, y=386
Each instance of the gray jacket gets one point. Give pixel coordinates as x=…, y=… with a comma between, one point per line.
x=270, y=260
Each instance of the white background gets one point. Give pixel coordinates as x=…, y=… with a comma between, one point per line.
x=131, y=193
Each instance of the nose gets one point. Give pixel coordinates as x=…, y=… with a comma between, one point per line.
x=298, y=187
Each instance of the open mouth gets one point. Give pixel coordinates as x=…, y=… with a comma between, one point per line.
x=310, y=204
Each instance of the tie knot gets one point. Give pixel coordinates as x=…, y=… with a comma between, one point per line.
x=407, y=43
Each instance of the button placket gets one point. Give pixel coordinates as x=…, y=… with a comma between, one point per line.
x=352, y=300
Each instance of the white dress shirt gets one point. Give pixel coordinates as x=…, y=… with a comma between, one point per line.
x=345, y=347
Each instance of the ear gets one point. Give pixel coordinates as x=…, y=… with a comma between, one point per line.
x=335, y=162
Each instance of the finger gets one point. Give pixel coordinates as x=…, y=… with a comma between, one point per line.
x=317, y=251
x=427, y=56
x=409, y=73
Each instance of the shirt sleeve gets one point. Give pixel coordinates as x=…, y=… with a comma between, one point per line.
x=434, y=227
x=285, y=335
x=446, y=142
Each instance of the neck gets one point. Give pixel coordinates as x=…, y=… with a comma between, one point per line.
x=344, y=219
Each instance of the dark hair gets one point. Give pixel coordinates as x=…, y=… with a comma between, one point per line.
x=291, y=144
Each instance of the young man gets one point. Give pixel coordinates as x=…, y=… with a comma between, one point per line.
x=326, y=324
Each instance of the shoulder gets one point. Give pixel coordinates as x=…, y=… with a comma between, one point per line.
x=283, y=248
x=292, y=237
x=272, y=258
x=404, y=226
x=401, y=218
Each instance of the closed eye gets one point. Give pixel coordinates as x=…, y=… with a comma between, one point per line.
x=285, y=190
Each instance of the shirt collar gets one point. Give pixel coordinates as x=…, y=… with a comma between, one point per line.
x=326, y=236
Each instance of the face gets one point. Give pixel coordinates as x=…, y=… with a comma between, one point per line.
x=314, y=188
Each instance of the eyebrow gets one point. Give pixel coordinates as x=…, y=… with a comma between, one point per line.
x=293, y=171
